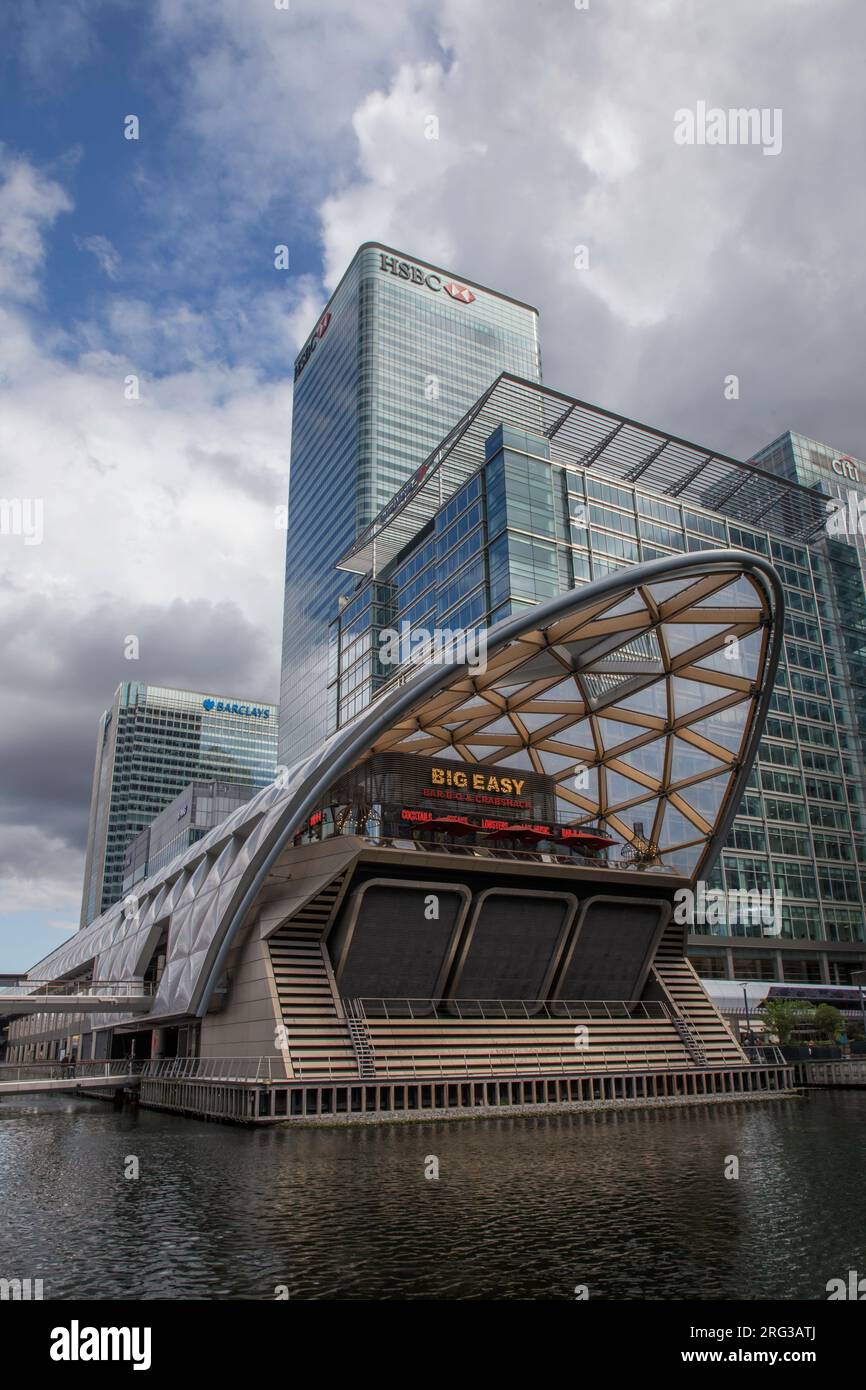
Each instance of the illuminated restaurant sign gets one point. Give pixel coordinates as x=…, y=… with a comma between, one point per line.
x=479, y=788
x=477, y=781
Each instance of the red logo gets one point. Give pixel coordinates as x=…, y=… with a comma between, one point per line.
x=322, y=325
x=460, y=292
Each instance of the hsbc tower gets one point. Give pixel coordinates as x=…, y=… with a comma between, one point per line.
x=399, y=354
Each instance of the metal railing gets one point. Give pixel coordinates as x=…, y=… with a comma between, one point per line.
x=116, y=989
x=760, y=1053
x=557, y=1009
x=465, y=1065
x=499, y=1063
x=535, y=856
x=67, y=1071
x=216, y=1069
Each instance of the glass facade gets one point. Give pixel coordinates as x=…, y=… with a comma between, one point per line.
x=153, y=743
x=399, y=355
x=527, y=526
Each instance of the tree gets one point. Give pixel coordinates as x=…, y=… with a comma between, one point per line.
x=829, y=1023
x=782, y=1016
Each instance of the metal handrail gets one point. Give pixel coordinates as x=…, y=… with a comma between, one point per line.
x=121, y=989
x=482, y=1063
x=216, y=1068
x=66, y=1071
x=758, y=1052
x=487, y=1064
x=578, y=858
x=557, y=1009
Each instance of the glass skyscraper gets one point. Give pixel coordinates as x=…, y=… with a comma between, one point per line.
x=400, y=353
x=153, y=742
x=546, y=493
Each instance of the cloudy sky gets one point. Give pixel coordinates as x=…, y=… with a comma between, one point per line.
x=307, y=126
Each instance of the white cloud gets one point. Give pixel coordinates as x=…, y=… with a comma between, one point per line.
x=107, y=256
x=29, y=204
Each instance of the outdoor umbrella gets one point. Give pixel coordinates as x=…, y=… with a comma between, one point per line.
x=452, y=824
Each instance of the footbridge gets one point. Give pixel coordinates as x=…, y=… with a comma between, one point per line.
x=20, y=994
x=50, y=1077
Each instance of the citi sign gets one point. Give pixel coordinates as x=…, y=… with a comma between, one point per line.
x=226, y=707
x=845, y=467
x=405, y=270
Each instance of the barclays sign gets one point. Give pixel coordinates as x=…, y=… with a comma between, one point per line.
x=227, y=707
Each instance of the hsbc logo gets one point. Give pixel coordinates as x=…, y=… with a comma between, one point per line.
x=312, y=343
x=460, y=292
x=416, y=275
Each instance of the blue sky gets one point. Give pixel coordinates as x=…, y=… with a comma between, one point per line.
x=307, y=127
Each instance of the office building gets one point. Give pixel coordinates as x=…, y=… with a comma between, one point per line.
x=400, y=353
x=152, y=743
x=195, y=811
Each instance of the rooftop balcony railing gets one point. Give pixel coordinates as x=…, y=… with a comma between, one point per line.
x=463, y=849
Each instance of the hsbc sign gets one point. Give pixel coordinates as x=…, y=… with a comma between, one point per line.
x=416, y=275
x=312, y=343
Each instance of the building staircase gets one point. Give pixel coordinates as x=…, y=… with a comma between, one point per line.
x=437, y=1046
x=691, y=1039
x=319, y=1041
x=362, y=1040
x=704, y=1032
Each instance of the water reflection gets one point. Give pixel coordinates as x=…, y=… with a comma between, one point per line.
x=632, y=1203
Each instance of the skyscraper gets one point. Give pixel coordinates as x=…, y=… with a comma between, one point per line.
x=151, y=744
x=400, y=353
